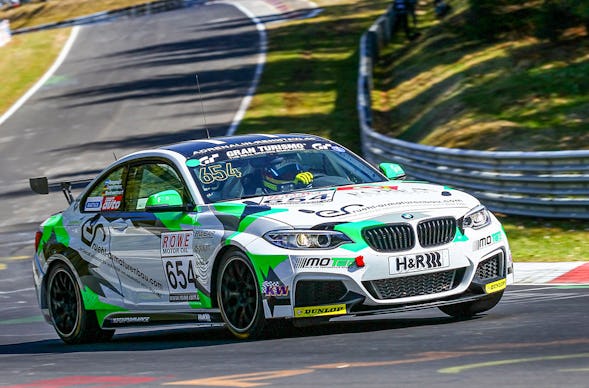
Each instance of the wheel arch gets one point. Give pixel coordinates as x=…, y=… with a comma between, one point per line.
x=222, y=252
x=68, y=256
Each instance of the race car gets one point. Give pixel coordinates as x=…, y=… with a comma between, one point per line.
x=257, y=231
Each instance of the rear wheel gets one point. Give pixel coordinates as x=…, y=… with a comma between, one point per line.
x=71, y=321
x=239, y=297
x=469, y=309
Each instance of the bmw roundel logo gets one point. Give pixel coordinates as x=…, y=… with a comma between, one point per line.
x=407, y=216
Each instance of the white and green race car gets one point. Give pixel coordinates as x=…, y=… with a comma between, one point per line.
x=251, y=231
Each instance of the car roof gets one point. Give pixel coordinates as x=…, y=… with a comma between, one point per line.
x=192, y=147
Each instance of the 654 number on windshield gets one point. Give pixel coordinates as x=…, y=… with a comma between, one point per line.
x=217, y=172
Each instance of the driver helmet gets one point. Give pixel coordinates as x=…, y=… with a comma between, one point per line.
x=280, y=175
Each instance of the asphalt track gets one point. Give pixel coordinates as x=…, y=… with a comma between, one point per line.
x=125, y=86
x=536, y=337
x=129, y=85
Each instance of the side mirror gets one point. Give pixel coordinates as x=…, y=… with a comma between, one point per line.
x=166, y=201
x=392, y=171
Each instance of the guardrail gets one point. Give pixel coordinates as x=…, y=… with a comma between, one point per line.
x=551, y=184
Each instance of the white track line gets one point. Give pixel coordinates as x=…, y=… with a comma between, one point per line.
x=64, y=52
x=259, y=67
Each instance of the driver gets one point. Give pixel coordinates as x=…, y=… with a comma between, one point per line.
x=285, y=176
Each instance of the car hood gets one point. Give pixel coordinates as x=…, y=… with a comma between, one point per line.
x=386, y=202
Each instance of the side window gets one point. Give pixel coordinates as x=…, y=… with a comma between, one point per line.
x=148, y=179
x=106, y=195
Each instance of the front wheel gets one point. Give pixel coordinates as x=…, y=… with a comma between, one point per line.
x=72, y=322
x=469, y=309
x=239, y=297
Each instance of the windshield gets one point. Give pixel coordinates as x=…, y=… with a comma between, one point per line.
x=258, y=170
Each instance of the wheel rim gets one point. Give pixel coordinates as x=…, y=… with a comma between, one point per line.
x=63, y=302
x=239, y=295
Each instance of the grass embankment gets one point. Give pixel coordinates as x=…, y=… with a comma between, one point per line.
x=514, y=93
x=309, y=85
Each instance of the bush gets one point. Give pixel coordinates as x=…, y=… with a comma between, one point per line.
x=556, y=16
x=491, y=19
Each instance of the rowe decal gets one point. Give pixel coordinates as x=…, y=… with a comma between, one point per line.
x=418, y=262
x=177, y=243
x=487, y=241
x=319, y=311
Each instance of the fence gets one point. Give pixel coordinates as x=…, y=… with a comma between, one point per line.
x=542, y=184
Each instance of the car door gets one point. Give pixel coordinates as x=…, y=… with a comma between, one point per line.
x=100, y=204
x=152, y=240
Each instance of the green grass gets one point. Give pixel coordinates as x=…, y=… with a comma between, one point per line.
x=309, y=81
x=24, y=60
x=516, y=93
x=309, y=85
x=542, y=240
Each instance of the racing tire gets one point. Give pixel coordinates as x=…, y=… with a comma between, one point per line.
x=469, y=309
x=72, y=322
x=239, y=297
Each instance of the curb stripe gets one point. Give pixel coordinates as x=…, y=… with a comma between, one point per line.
x=578, y=275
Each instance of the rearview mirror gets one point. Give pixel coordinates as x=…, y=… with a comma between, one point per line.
x=392, y=171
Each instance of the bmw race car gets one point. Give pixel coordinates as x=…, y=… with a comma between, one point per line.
x=253, y=231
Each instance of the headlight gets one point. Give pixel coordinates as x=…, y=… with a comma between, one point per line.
x=306, y=239
x=477, y=218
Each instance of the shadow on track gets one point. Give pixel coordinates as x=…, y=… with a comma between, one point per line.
x=199, y=337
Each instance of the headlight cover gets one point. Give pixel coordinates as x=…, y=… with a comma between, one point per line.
x=306, y=239
x=477, y=218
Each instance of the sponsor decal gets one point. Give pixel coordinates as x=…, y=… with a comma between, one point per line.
x=489, y=240
x=273, y=288
x=202, y=234
x=249, y=144
x=264, y=149
x=128, y=320
x=111, y=203
x=208, y=159
x=355, y=209
x=345, y=210
x=327, y=146
x=184, y=297
x=496, y=286
x=323, y=262
x=319, y=311
x=176, y=243
x=204, y=318
x=178, y=261
x=305, y=197
x=93, y=204
x=418, y=262
x=112, y=187
x=91, y=229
